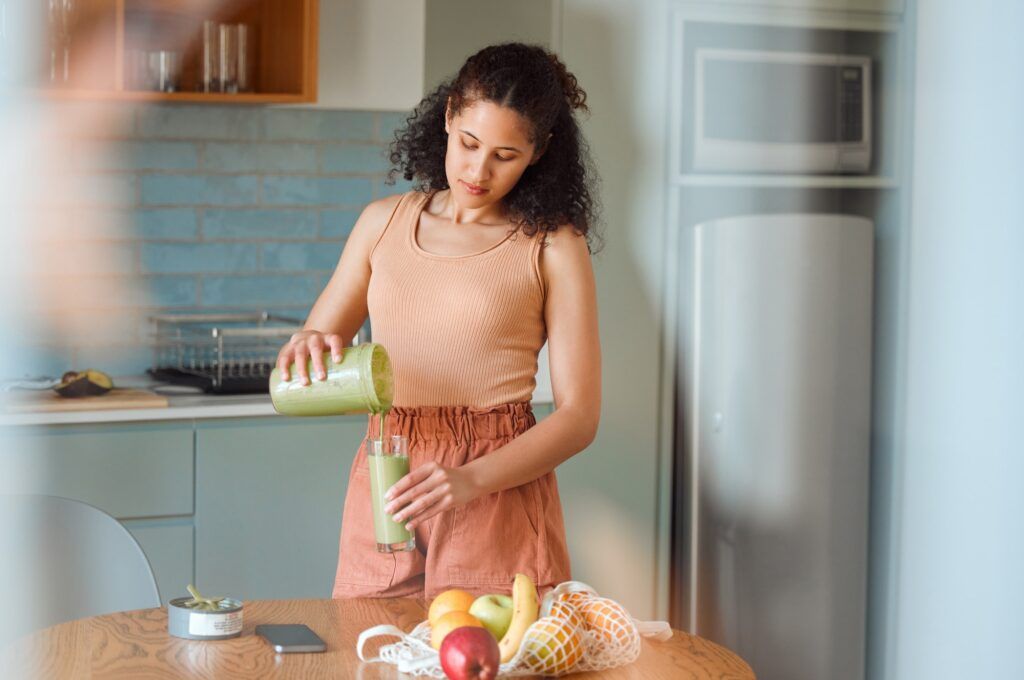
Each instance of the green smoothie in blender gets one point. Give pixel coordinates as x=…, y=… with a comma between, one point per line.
x=360, y=383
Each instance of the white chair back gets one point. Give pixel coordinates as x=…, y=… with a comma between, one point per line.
x=64, y=560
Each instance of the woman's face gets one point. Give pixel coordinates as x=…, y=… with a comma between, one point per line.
x=488, y=151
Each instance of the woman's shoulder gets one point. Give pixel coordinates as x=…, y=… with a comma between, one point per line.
x=564, y=242
x=377, y=213
x=563, y=253
x=374, y=219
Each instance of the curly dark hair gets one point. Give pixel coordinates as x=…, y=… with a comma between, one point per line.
x=556, y=190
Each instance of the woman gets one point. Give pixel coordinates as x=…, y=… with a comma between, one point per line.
x=464, y=279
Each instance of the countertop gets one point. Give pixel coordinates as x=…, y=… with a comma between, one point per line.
x=185, y=404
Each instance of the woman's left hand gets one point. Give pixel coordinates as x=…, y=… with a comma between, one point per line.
x=428, y=490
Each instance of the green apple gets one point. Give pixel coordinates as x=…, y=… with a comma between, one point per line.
x=495, y=612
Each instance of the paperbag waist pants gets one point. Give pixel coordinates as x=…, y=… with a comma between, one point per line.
x=478, y=547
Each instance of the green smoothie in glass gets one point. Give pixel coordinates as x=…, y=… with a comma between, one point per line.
x=388, y=461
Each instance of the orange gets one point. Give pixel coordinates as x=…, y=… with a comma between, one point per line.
x=449, y=622
x=561, y=609
x=449, y=601
x=608, y=621
x=552, y=646
x=576, y=599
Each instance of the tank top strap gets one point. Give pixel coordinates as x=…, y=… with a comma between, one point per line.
x=537, y=242
x=403, y=218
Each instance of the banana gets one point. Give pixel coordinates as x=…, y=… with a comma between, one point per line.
x=525, y=610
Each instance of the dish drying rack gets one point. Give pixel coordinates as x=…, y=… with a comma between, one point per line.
x=219, y=353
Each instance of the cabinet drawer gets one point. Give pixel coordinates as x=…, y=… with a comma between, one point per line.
x=269, y=492
x=143, y=470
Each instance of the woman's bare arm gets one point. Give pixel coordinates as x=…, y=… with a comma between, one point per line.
x=574, y=351
x=340, y=309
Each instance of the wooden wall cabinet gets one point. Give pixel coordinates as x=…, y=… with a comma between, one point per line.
x=107, y=38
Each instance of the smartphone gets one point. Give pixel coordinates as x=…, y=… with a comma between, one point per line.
x=291, y=637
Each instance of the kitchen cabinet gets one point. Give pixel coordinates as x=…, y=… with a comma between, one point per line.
x=269, y=499
x=248, y=507
x=141, y=474
x=104, y=49
x=269, y=496
x=386, y=54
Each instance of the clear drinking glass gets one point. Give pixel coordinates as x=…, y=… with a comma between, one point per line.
x=209, y=80
x=53, y=24
x=69, y=10
x=388, y=460
x=165, y=70
x=60, y=16
x=228, y=66
x=244, y=66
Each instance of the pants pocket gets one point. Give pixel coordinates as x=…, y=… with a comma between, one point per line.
x=495, y=537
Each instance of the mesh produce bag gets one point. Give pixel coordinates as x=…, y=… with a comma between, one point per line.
x=578, y=630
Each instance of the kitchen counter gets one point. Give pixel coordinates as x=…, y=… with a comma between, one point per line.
x=185, y=404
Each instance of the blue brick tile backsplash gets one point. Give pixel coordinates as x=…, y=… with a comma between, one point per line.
x=319, y=126
x=167, y=223
x=200, y=122
x=252, y=157
x=355, y=158
x=337, y=223
x=269, y=289
x=258, y=223
x=292, y=190
x=221, y=208
x=167, y=189
x=197, y=258
x=300, y=257
x=149, y=155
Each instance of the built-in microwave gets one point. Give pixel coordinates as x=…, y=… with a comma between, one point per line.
x=786, y=112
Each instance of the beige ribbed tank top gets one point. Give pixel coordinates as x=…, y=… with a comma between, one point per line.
x=460, y=330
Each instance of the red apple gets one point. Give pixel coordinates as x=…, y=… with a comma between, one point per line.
x=470, y=653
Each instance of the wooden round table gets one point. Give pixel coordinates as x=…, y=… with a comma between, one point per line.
x=136, y=644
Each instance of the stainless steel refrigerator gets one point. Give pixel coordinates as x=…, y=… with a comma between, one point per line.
x=772, y=442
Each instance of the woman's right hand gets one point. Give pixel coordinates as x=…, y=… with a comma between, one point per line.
x=306, y=344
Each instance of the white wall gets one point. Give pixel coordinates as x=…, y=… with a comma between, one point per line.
x=360, y=40
x=957, y=597
x=619, y=541
x=385, y=54
x=455, y=29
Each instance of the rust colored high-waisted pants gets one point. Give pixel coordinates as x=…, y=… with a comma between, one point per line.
x=477, y=547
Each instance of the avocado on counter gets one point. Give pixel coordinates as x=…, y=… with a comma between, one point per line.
x=87, y=383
